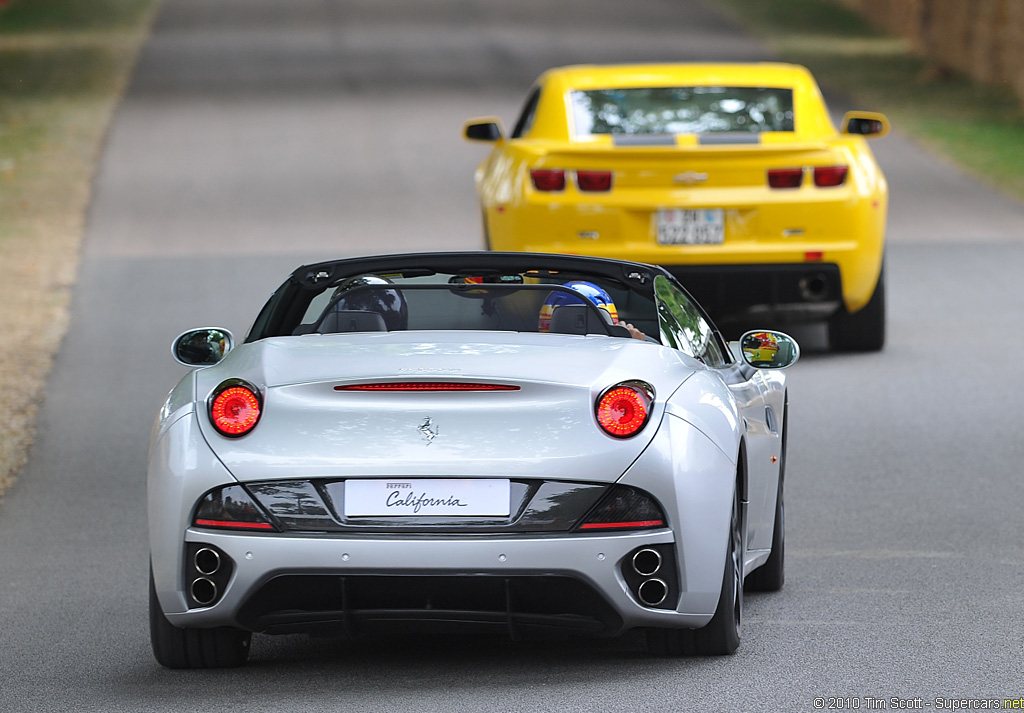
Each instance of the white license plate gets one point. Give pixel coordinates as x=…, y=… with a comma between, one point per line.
x=690, y=227
x=399, y=497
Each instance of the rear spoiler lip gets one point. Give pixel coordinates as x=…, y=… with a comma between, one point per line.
x=661, y=148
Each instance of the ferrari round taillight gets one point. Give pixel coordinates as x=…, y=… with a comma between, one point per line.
x=235, y=410
x=623, y=410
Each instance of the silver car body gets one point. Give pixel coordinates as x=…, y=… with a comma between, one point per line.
x=706, y=425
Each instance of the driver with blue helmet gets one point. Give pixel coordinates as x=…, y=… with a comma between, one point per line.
x=596, y=294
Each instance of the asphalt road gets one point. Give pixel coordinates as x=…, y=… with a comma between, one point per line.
x=260, y=134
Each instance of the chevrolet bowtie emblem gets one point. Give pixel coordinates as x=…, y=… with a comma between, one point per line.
x=428, y=430
x=689, y=178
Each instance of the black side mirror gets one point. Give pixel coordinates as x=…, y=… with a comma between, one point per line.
x=865, y=123
x=202, y=347
x=487, y=129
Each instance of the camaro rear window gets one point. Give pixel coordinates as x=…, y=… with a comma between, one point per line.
x=681, y=110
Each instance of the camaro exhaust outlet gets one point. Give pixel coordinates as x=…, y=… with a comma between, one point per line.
x=206, y=561
x=652, y=592
x=814, y=287
x=647, y=562
x=203, y=591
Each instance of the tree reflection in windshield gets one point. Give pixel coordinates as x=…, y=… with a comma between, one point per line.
x=682, y=110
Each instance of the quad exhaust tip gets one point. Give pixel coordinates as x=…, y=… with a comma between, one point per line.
x=203, y=591
x=206, y=561
x=647, y=562
x=652, y=592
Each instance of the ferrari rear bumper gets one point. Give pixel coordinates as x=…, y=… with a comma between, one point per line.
x=522, y=585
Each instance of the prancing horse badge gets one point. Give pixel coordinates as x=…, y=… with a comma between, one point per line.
x=429, y=430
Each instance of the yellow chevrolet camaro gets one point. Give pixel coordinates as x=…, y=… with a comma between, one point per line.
x=732, y=176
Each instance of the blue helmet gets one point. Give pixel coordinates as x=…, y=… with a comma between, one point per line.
x=596, y=294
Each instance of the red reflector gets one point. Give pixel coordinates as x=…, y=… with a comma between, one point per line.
x=427, y=386
x=545, y=179
x=830, y=176
x=622, y=411
x=621, y=525
x=814, y=256
x=594, y=180
x=785, y=177
x=235, y=411
x=229, y=524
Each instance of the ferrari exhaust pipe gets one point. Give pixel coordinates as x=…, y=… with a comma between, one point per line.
x=652, y=592
x=203, y=591
x=206, y=561
x=646, y=562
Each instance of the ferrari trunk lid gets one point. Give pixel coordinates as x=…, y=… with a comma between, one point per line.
x=435, y=404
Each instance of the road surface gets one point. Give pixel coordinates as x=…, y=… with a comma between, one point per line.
x=260, y=134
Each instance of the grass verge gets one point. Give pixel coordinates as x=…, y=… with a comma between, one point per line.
x=64, y=64
x=981, y=127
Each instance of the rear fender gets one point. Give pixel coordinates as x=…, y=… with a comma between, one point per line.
x=181, y=469
x=694, y=480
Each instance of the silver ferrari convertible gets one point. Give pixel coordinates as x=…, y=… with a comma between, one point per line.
x=512, y=443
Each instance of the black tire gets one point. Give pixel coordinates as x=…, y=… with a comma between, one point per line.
x=862, y=331
x=770, y=576
x=721, y=635
x=224, y=647
x=487, y=232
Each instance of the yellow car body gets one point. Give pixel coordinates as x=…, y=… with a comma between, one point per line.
x=732, y=176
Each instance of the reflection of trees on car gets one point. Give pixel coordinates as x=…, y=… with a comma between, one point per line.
x=676, y=110
x=694, y=332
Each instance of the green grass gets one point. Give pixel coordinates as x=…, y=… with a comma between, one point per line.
x=981, y=127
x=64, y=65
x=21, y=16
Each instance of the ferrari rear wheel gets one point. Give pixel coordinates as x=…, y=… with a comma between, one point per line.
x=862, y=331
x=223, y=647
x=721, y=635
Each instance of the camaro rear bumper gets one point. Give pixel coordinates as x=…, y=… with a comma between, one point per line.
x=845, y=235
x=797, y=292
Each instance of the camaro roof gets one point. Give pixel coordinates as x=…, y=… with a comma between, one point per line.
x=590, y=76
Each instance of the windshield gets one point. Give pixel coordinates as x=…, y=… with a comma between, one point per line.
x=553, y=302
x=681, y=110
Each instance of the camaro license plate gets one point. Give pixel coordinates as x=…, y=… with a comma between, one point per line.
x=676, y=226
x=427, y=497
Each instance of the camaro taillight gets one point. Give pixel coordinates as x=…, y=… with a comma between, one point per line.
x=547, y=180
x=231, y=508
x=785, y=177
x=594, y=181
x=830, y=176
x=624, y=508
x=235, y=408
x=622, y=410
